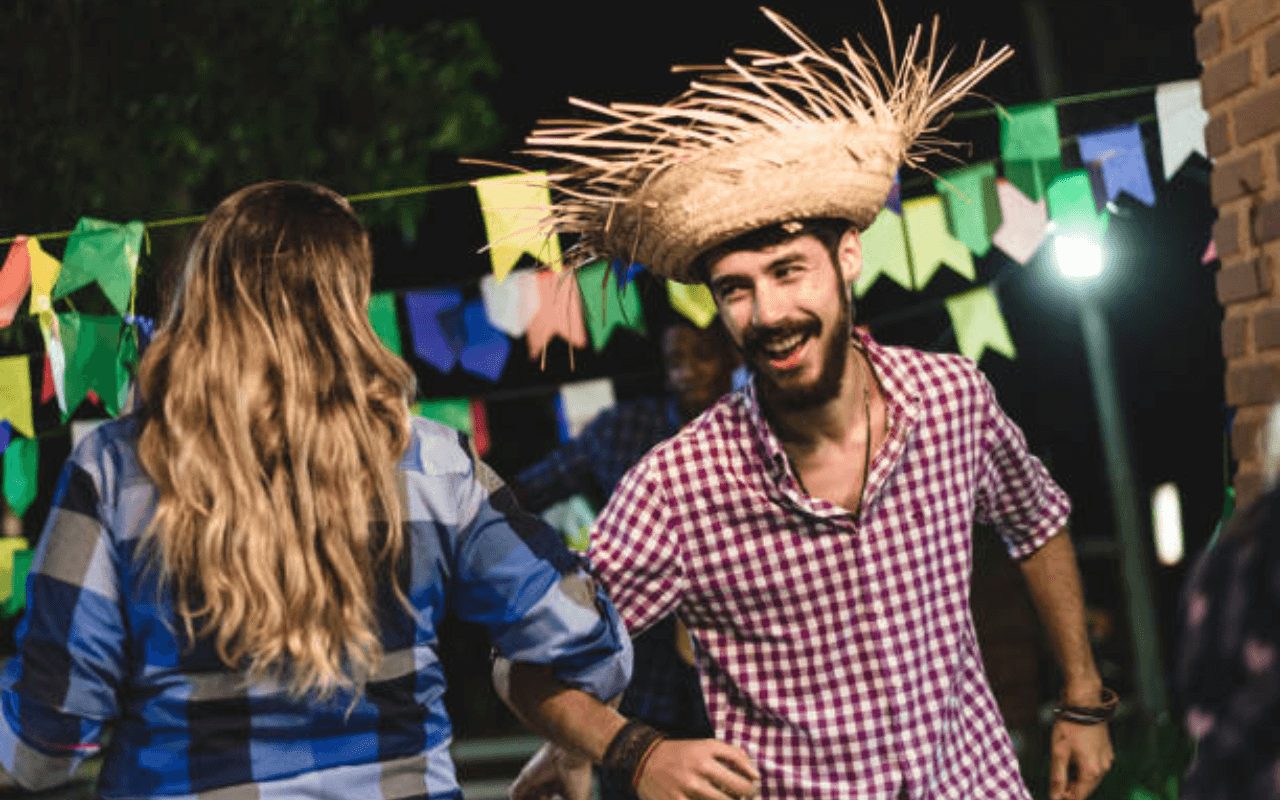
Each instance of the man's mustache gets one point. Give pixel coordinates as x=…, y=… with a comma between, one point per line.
x=754, y=338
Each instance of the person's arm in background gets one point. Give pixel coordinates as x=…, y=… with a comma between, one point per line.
x=565, y=471
x=1016, y=494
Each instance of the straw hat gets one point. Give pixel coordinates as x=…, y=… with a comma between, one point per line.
x=765, y=138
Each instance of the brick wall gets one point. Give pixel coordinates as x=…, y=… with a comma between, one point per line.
x=1238, y=42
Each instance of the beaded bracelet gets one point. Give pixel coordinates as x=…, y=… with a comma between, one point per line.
x=1089, y=715
x=629, y=750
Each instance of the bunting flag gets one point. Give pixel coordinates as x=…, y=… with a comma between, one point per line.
x=6, y=434
x=573, y=518
x=894, y=201
x=884, y=252
x=979, y=325
x=559, y=313
x=1122, y=157
x=15, y=394
x=693, y=301
x=8, y=546
x=930, y=243
x=57, y=357
x=1210, y=253
x=1024, y=223
x=455, y=412
x=1030, y=146
x=972, y=206
x=21, y=474
x=514, y=207
x=480, y=427
x=487, y=348
x=1072, y=207
x=105, y=253
x=15, y=280
x=626, y=273
x=382, y=316
x=605, y=305
x=435, y=324
x=1181, y=117
x=44, y=274
x=581, y=402
x=96, y=361
x=513, y=303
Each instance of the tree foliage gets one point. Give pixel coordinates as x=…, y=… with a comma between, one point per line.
x=139, y=108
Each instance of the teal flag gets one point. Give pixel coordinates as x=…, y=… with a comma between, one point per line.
x=21, y=474
x=105, y=253
x=605, y=306
x=382, y=316
x=1072, y=208
x=97, y=359
x=973, y=208
x=1031, y=146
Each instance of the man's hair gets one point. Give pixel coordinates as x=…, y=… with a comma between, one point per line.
x=273, y=420
x=828, y=231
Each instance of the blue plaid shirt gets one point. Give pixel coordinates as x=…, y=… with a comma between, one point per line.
x=664, y=691
x=99, y=648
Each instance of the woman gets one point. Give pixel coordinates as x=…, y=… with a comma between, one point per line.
x=243, y=580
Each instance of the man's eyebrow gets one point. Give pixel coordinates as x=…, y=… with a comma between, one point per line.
x=785, y=260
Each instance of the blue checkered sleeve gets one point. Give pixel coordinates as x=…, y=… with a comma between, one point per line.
x=60, y=692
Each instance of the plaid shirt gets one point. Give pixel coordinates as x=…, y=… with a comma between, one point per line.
x=839, y=652
x=99, y=650
x=664, y=689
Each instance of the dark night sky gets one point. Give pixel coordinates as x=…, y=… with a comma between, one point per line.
x=1157, y=296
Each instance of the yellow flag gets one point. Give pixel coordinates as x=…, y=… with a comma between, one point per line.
x=693, y=300
x=979, y=325
x=514, y=208
x=44, y=274
x=930, y=242
x=884, y=252
x=15, y=394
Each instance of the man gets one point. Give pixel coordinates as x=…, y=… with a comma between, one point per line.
x=813, y=530
x=699, y=366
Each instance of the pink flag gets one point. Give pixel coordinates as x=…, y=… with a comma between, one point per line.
x=15, y=280
x=559, y=313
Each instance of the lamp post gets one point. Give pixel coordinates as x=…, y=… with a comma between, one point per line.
x=1081, y=260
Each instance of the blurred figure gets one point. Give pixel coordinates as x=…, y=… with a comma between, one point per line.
x=1228, y=667
x=699, y=365
x=242, y=581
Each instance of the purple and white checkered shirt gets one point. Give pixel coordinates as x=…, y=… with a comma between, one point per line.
x=839, y=652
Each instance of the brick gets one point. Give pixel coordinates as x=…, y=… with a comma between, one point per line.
x=1246, y=436
x=1257, y=116
x=1209, y=37
x=1231, y=75
x=1253, y=384
x=1241, y=282
x=1273, y=53
x=1237, y=177
x=1234, y=333
x=1266, y=328
x=1226, y=234
x=1266, y=222
x=1248, y=487
x=1249, y=15
x=1217, y=136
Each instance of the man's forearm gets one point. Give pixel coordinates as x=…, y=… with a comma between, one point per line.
x=570, y=718
x=1053, y=579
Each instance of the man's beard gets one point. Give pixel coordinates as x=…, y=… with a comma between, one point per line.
x=834, y=357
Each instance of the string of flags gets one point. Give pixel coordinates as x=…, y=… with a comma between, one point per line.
x=1013, y=209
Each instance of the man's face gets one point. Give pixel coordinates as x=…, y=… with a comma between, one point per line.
x=787, y=310
x=699, y=367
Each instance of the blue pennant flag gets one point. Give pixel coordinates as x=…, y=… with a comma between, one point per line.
x=487, y=348
x=435, y=323
x=1120, y=154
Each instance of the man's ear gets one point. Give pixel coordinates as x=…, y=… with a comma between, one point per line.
x=849, y=251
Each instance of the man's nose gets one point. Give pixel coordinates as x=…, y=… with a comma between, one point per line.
x=767, y=310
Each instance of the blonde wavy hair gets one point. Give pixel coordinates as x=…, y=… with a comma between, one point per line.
x=273, y=420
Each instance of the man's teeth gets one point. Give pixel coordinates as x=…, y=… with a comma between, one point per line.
x=780, y=347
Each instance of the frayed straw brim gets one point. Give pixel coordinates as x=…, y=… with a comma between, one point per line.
x=771, y=139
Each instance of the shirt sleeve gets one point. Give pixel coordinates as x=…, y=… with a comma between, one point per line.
x=60, y=691
x=564, y=472
x=634, y=550
x=1015, y=492
x=514, y=575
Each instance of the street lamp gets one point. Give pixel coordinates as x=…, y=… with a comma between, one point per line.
x=1080, y=259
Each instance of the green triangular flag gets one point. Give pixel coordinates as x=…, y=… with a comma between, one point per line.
x=978, y=323
x=1031, y=146
x=972, y=205
x=105, y=253
x=452, y=411
x=605, y=307
x=382, y=316
x=1032, y=177
x=21, y=473
x=93, y=360
x=884, y=252
x=930, y=242
x=1072, y=208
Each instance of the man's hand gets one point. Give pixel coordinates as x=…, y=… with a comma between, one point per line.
x=703, y=769
x=553, y=774
x=1085, y=747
